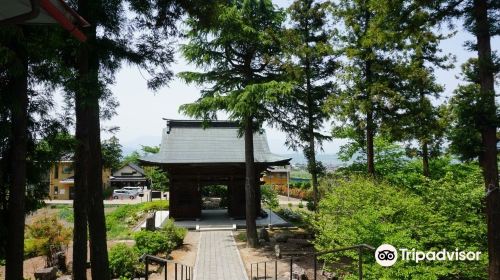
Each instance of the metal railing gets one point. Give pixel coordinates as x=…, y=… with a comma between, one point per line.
x=180, y=271
x=270, y=268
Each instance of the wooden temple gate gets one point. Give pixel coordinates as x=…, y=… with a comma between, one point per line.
x=195, y=156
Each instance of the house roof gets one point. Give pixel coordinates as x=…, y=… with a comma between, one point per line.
x=136, y=168
x=186, y=142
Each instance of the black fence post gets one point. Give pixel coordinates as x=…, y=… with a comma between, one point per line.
x=257, y=270
x=275, y=270
x=315, y=267
x=175, y=274
x=251, y=271
x=291, y=268
x=146, y=268
x=265, y=271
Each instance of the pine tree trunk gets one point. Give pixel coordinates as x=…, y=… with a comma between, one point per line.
x=370, y=154
x=314, y=175
x=425, y=159
x=80, y=200
x=250, y=186
x=488, y=156
x=97, y=223
x=311, y=158
x=93, y=165
x=17, y=186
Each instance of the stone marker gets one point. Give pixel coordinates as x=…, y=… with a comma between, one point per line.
x=150, y=222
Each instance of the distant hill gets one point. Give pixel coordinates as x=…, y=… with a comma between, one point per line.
x=326, y=159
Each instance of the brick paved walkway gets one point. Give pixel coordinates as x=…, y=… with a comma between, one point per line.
x=218, y=258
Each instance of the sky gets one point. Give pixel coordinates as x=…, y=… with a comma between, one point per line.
x=141, y=111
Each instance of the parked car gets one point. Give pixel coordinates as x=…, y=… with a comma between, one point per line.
x=136, y=189
x=124, y=194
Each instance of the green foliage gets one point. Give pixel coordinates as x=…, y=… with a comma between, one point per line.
x=124, y=261
x=240, y=53
x=368, y=77
x=269, y=197
x=111, y=153
x=466, y=107
x=120, y=221
x=389, y=157
x=176, y=234
x=241, y=237
x=66, y=213
x=219, y=191
x=160, y=242
x=156, y=175
x=46, y=236
x=308, y=65
x=434, y=214
x=132, y=158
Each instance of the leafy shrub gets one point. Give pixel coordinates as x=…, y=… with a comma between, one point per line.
x=66, y=213
x=269, y=197
x=176, y=234
x=310, y=205
x=290, y=215
x=154, y=205
x=296, y=192
x=46, y=236
x=162, y=241
x=153, y=242
x=124, y=217
x=123, y=261
x=438, y=214
x=301, y=205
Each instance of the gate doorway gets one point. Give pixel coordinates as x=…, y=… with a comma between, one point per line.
x=214, y=197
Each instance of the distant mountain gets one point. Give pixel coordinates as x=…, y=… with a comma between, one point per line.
x=326, y=159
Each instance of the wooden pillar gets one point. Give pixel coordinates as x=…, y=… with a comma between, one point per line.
x=236, y=192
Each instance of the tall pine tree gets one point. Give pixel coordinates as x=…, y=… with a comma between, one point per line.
x=309, y=66
x=415, y=118
x=368, y=75
x=481, y=19
x=140, y=37
x=240, y=52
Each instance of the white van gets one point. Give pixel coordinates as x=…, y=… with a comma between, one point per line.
x=135, y=189
x=124, y=194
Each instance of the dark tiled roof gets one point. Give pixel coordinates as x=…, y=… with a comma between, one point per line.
x=213, y=142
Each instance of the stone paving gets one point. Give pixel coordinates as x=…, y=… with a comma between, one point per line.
x=218, y=257
x=220, y=218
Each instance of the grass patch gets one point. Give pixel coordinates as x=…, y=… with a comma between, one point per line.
x=120, y=221
x=241, y=237
x=66, y=213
